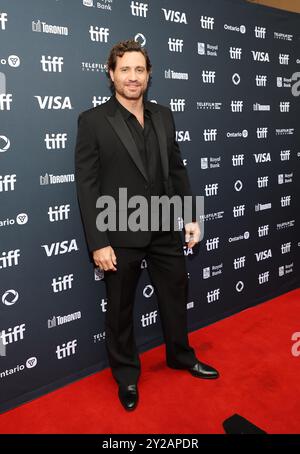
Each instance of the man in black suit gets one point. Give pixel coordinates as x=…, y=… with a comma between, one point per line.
x=129, y=143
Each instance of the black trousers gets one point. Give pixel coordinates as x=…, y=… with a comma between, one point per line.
x=167, y=270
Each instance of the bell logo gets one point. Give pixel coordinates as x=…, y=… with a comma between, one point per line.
x=31, y=362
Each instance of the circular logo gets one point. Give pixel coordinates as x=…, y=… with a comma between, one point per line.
x=31, y=362
x=22, y=218
x=239, y=286
x=14, y=61
x=238, y=185
x=10, y=297
x=4, y=143
x=236, y=79
x=140, y=38
x=148, y=291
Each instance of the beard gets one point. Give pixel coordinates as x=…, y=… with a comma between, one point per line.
x=128, y=93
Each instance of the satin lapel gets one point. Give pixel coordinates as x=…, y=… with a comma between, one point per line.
x=162, y=140
x=119, y=125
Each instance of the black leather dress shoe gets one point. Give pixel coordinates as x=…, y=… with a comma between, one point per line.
x=201, y=370
x=129, y=396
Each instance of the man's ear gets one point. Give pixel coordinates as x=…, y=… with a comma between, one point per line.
x=111, y=73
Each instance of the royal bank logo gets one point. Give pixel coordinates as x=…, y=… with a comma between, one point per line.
x=43, y=27
x=103, y=4
x=207, y=49
x=284, y=82
x=52, y=64
x=139, y=9
x=3, y=21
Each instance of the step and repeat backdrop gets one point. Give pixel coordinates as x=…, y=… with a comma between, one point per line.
x=230, y=72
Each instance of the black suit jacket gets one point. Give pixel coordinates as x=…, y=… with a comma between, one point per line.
x=107, y=158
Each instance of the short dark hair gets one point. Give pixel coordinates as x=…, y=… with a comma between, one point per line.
x=119, y=50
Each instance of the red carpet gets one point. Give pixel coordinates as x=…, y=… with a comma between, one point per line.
x=259, y=380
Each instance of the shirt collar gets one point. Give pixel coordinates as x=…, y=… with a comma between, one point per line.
x=125, y=112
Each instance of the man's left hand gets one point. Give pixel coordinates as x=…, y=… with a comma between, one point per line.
x=192, y=234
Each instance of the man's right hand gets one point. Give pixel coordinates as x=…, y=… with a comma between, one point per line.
x=105, y=258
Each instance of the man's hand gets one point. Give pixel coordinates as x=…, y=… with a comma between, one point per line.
x=105, y=258
x=192, y=234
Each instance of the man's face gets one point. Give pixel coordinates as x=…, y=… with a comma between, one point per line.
x=130, y=76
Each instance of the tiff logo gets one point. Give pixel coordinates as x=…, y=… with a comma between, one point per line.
x=262, y=133
x=5, y=101
x=261, y=81
x=175, y=45
x=177, y=105
x=52, y=64
x=149, y=319
x=103, y=304
x=210, y=135
x=285, y=155
x=238, y=211
x=208, y=77
x=98, y=100
x=212, y=244
x=260, y=32
x=239, y=262
x=3, y=20
x=62, y=283
x=7, y=182
x=207, y=22
x=263, y=277
x=139, y=9
x=9, y=258
x=263, y=230
x=238, y=160
x=55, y=141
x=213, y=295
x=211, y=189
x=12, y=335
x=285, y=201
x=99, y=34
x=67, y=349
x=237, y=106
x=286, y=247
x=235, y=53
x=284, y=106
x=262, y=182
x=59, y=213
x=284, y=59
